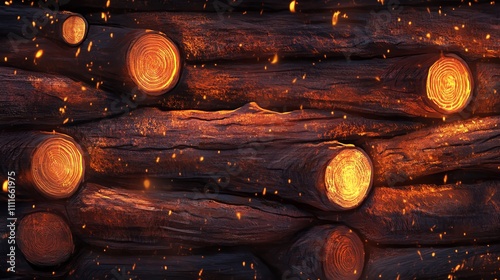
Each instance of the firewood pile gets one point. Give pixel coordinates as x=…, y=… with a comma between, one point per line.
x=249, y=139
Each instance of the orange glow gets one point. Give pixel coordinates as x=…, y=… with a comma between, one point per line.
x=449, y=84
x=348, y=178
x=292, y=6
x=335, y=18
x=74, y=29
x=39, y=54
x=344, y=254
x=5, y=186
x=154, y=63
x=147, y=184
x=57, y=167
x=45, y=239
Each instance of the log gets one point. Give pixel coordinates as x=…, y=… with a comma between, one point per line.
x=486, y=101
x=50, y=164
x=208, y=38
x=120, y=6
x=427, y=214
x=467, y=144
x=38, y=100
x=247, y=125
x=323, y=252
x=328, y=176
x=45, y=239
x=470, y=262
x=410, y=86
x=122, y=60
x=22, y=24
x=237, y=265
x=154, y=220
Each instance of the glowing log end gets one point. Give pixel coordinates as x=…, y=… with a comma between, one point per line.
x=57, y=167
x=348, y=178
x=45, y=239
x=154, y=63
x=344, y=255
x=74, y=30
x=449, y=84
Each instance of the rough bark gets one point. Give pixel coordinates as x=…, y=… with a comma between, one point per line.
x=467, y=144
x=487, y=98
x=45, y=101
x=206, y=37
x=137, y=220
x=462, y=262
x=224, y=6
x=428, y=214
x=237, y=265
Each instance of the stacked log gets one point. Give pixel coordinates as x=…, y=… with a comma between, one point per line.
x=469, y=144
x=50, y=164
x=154, y=220
x=116, y=59
x=21, y=24
x=41, y=100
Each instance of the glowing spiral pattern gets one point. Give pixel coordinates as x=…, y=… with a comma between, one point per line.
x=57, y=167
x=348, y=178
x=45, y=239
x=449, y=84
x=154, y=63
x=344, y=255
x=74, y=30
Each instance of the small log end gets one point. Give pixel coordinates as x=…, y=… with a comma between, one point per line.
x=57, y=167
x=348, y=178
x=154, y=63
x=45, y=239
x=344, y=255
x=74, y=30
x=449, y=84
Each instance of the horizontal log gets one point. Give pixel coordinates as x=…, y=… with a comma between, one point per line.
x=204, y=37
x=43, y=100
x=50, y=164
x=323, y=252
x=328, y=176
x=236, y=5
x=21, y=24
x=224, y=130
x=143, y=220
x=237, y=265
x=467, y=144
x=118, y=59
x=471, y=262
x=409, y=86
x=428, y=214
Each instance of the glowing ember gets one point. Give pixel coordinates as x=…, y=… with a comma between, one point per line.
x=154, y=63
x=39, y=54
x=74, y=30
x=344, y=255
x=449, y=84
x=292, y=6
x=45, y=239
x=348, y=178
x=57, y=167
x=335, y=18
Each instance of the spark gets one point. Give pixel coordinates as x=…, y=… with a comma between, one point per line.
x=275, y=59
x=39, y=54
x=89, y=47
x=5, y=186
x=292, y=6
x=335, y=18
x=147, y=183
x=108, y=3
x=238, y=215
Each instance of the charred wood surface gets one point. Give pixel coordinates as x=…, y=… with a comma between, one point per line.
x=428, y=214
x=44, y=100
x=468, y=144
x=205, y=37
x=152, y=220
